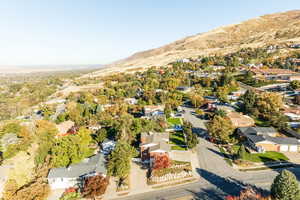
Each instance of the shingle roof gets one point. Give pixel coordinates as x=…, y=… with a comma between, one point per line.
x=239, y=120
x=94, y=164
x=257, y=130
x=154, y=137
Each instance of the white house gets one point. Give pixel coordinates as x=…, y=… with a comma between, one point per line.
x=131, y=101
x=65, y=177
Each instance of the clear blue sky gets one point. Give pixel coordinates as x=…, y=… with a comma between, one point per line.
x=100, y=31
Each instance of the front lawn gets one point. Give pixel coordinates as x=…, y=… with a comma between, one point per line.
x=268, y=156
x=178, y=141
x=174, y=121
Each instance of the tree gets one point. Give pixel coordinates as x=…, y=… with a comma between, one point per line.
x=285, y=186
x=72, y=148
x=199, y=112
x=222, y=93
x=242, y=152
x=221, y=129
x=168, y=110
x=100, y=135
x=248, y=194
x=196, y=100
x=269, y=103
x=191, y=138
x=95, y=186
x=295, y=84
x=249, y=99
x=161, y=161
x=119, y=160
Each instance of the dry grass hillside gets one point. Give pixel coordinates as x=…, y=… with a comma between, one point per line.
x=260, y=31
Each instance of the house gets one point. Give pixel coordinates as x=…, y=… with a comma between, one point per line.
x=217, y=67
x=66, y=128
x=296, y=61
x=154, y=144
x=73, y=175
x=239, y=120
x=184, y=89
x=274, y=74
x=131, y=101
x=264, y=139
x=295, y=46
x=293, y=113
x=184, y=60
x=153, y=110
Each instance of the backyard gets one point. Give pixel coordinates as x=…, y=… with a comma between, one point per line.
x=178, y=141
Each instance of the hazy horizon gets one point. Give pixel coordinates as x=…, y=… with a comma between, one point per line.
x=41, y=33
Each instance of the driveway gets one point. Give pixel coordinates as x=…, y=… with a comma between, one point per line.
x=293, y=157
x=55, y=194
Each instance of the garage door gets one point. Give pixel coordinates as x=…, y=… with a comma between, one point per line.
x=293, y=148
x=284, y=148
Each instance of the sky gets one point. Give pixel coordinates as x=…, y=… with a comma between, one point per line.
x=57, y=32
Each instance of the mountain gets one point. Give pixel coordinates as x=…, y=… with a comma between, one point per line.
x=268, y=29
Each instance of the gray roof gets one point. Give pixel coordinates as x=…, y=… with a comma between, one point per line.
x=283, y=140
x=162, y=146
x=257, y=130
x=256, y=138
x=94, y=164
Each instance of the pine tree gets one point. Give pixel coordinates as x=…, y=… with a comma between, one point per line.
x=242, y=153
x=285, y=187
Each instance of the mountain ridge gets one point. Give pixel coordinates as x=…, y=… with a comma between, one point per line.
x=256, y=32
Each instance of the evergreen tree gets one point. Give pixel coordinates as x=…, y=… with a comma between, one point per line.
x=242, y=153
x=285, y=187
x=191, y=138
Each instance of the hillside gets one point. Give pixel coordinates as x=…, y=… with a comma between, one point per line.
x=260, y=31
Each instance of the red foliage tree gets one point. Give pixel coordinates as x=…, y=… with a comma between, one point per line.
x=161, y=161
x=95, y=186
x=248, y=194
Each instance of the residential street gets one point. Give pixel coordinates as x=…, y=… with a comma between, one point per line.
x=217, y=178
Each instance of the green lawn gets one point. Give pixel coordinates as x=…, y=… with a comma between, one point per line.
x=174, y=121
x=177, y=141
x=263, y=157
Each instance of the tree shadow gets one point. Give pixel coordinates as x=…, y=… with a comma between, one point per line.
x=229, y=186
x=199, y=131
x=208, y=194
x=224, y=155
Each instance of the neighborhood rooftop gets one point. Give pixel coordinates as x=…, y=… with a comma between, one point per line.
x=94, y=164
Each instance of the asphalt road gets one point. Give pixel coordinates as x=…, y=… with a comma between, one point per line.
x=218, y=179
